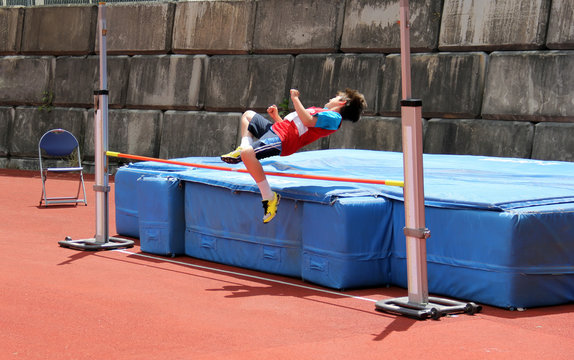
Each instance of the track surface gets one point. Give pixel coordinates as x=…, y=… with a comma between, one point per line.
x=58, y=303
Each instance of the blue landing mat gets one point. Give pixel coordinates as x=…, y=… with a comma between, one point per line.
x=502, y=229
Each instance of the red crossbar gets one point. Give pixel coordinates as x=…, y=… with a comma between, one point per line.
x=272, y=173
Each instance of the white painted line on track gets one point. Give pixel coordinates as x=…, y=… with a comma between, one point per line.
x=246, y=275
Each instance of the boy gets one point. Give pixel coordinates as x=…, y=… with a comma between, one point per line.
x=261, y=138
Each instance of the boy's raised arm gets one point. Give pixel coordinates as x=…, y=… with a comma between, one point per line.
x=306, y=118
x=274, y=113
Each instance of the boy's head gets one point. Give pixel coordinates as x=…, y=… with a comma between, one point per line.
x=353, y=106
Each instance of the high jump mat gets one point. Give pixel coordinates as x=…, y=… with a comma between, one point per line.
x=502, y=229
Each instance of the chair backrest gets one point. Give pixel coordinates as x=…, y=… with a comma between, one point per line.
x=58, y=142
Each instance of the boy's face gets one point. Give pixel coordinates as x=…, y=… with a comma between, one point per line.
x=335, y=102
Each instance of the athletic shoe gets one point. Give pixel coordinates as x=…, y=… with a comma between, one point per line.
x=233, y=157
x=270, y=207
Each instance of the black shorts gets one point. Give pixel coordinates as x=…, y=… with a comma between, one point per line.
x=267, y=143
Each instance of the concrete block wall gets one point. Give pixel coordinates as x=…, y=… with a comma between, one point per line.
x=494, y=25
x=495, y=77
x=62, y=30
x=150, y=33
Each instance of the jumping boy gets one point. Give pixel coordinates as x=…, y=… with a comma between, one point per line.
x=261, y=138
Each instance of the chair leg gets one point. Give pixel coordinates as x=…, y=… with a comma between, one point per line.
x=63, y=200
x=44, y=197
x=83, y=188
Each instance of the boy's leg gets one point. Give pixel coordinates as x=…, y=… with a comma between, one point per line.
x=246, y=136
x=255, y=126
x=270, y=199
x=234, y=157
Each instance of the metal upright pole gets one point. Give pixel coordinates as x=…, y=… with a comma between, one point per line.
x=417, y=303
x=405, y=49
x=101, y=186
x=415, y=230
x=411, y=114
x=101, y=240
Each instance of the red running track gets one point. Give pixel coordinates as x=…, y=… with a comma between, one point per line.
x=58, y=303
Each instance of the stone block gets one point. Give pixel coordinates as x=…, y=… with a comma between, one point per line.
x=213, y=27
x=373, y=26
x=129, y=131
x=30, y=124
x=166, y=82
x=530, y=85
x=25, y=164
x=370, y=133
x=561, y=25
x=138, y=28
x=59, y=30
x=450, y=84
x=240, y=82
x=553, y=141
x=25, y=80
x=479, y=137
x=12, y=20
x=194, y=133
x=298, y=26
x=76, y=78
x=6, y=119
x=493, y=25
x=319, y=77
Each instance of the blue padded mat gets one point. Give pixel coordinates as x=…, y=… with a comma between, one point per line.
x=126, y=195
x=502, y=228
x=161, y=213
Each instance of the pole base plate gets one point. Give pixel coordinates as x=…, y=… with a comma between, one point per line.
x=434, y=309
x=93, y=245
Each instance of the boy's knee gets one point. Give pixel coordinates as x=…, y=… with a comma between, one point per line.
x=247, y=152
x=249, y=114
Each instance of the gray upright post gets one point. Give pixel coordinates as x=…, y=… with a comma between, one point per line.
x=101, y=186
x=417, y=303
x=102, y=240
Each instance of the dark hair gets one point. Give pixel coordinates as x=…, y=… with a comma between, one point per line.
x=355, y=105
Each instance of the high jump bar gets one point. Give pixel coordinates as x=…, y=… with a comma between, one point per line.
x=225, y=168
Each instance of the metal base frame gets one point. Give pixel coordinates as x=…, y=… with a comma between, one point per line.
x=93, y=245
x=434, y=309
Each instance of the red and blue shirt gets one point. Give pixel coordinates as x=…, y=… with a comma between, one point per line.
x=294, y=134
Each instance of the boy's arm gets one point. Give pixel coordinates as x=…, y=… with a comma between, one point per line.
x=274, y=113
x=306, y=118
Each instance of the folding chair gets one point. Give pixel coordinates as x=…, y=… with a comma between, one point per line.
x=60, y=143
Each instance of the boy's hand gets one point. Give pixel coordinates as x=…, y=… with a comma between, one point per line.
x=273, y=111
x=306, y=118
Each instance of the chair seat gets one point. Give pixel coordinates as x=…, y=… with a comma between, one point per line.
x=68, y=169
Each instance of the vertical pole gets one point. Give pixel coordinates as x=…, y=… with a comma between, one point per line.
x=101, y=186
x=102, y=240
x=415, y=231
x=417, y=303
x=405, y=49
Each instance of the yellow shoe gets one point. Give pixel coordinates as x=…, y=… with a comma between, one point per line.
x=233, y=157
x=270, y=207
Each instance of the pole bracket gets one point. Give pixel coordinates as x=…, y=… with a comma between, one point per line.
x=412, y=103
x=102, y=188
x=420, y=233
